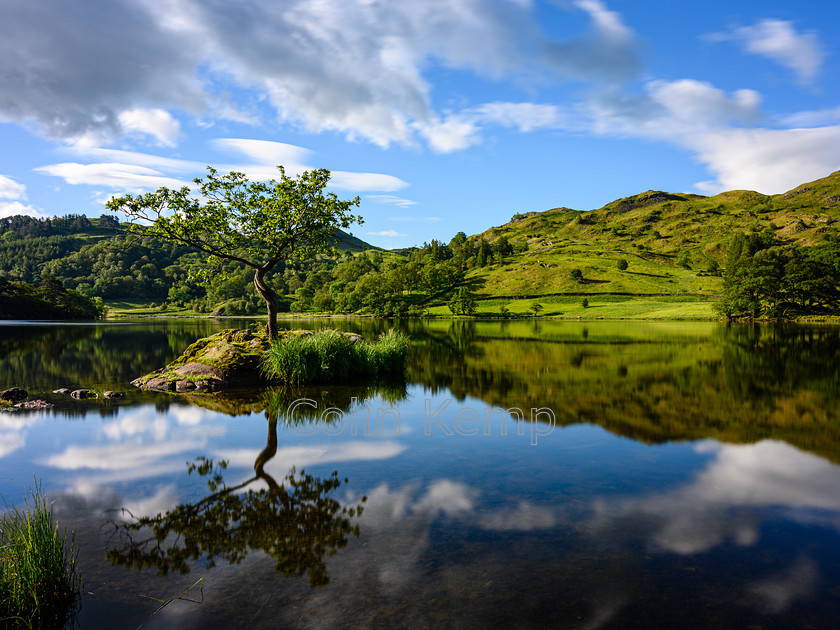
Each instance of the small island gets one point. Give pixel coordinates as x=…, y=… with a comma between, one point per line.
x=245, y=358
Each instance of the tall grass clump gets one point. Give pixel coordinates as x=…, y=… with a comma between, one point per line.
x=39, y=586
x=328, y=356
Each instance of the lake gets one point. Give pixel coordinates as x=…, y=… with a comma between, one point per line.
x=526, y=474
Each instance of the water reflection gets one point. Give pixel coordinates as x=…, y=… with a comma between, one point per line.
x=295, y=521
x=723, y=511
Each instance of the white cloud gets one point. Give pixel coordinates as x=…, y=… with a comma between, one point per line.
x=304, y=456
x=388, y=234
x=131, y=171
x=351, y=66
x=392, y=200
x=770, y=161
x=154, y=122
x=118, y=457
x=724, y=501
x=346, y=180
x=522, y=116
x=608, y=54
x=135, y=158
x=12, y=208
x=123, y=177
x=716, y=127
x=267, y=153
x=779, y=41
x=776, y=594
x=10, y=189
x=453, y=133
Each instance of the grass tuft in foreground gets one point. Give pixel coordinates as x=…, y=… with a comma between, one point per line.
x=328, y=356
x=39, y=586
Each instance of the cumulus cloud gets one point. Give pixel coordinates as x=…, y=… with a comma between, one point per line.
x=10, y=189
x=779, y=41
x=721, y=130
x=94, y=71
x=725, y=501
x=71, y=69
x=157, y=123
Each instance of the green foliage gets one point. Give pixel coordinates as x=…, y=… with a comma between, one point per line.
x=463, y=303
x=584, y=303
x=254, y=224
x=684, y=259
x=329, y=356
x=49, y=300
x=39, y=586
x=622, y=264
x=766, y=279
x=576, y=275
x=294, y=520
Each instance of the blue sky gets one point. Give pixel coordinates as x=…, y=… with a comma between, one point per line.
x=442, y=115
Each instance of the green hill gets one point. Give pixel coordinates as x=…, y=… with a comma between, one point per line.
x=674, y=244
x=653, y=255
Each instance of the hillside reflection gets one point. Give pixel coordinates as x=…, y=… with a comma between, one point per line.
x=650, y=381
x=734, y=384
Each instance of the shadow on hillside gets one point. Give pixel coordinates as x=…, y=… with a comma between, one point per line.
x=650, y=275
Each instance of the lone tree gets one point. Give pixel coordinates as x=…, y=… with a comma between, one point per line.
x=257, y=224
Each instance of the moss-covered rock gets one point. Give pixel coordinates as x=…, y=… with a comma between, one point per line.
x=230, y=358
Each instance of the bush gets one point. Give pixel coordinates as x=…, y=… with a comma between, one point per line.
x=38, y=582
x=621, y=264
x=330, y=356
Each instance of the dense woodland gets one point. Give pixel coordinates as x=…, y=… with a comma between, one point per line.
x=90, y=257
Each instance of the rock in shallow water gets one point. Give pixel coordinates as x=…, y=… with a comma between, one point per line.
x=13, y=393
x=34, y=404
x=84, y=393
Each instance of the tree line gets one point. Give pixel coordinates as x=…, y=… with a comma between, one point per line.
x=766, y=278
x=97, y=262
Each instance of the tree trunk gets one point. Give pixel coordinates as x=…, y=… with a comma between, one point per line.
x=270, y=297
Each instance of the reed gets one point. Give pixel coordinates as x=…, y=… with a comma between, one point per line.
x=331, y=357
x=39, y=586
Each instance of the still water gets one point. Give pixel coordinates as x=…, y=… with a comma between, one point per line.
x=525, y=475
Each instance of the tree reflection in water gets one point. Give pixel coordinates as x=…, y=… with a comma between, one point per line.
x=295, y=521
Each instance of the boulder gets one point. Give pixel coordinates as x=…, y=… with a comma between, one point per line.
x=230, y=358
x=112, y=394
x=62, y=390
x=13, y=393
x=83, y=393
x=34, y=404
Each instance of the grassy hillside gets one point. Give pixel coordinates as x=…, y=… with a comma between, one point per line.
x=652, y=255
x=674, y=245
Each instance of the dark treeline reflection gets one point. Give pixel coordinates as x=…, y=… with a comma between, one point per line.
x=48, y=356
x=737, y=383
